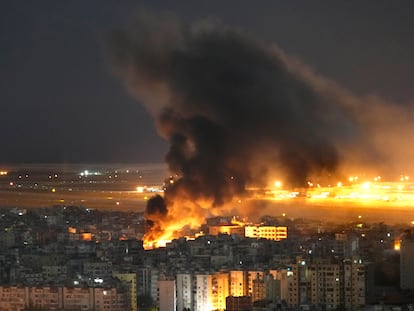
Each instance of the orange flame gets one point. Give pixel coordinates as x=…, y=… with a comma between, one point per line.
x=182, y=215
x=186, y=214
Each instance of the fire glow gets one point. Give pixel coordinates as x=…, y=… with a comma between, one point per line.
x=183, y=219
x=235, y=110
x=187, y=215
x=399, y=192
x=165, y=230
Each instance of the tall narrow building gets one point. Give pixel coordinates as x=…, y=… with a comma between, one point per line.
x=221, y=290
x=203, y=294
x=185, y=297
x=406, y=263
x=238, y=283
x=167, y=298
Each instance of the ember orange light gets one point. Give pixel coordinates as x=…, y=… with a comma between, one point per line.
x=397, y=244
x=182, y=216
x=355, y=192
x=373, y=191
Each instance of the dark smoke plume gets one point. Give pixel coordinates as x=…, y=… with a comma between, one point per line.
x=156, y=206
x=232, y=107
x=156, y=211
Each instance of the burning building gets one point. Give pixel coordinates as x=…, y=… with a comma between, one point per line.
x=235, y=111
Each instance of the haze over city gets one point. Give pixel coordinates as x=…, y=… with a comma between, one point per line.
x=231, y=99
x=220, y=116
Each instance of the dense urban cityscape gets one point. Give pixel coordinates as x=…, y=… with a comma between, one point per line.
x=206, y=155
x=73, y=257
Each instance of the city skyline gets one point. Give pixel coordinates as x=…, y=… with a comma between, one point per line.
x=62, y=104
x=216, y=155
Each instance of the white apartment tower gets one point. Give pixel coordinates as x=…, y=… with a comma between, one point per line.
x=203, y=298
x=185, y=298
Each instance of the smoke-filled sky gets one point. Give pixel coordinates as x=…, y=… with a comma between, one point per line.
x=61, y=102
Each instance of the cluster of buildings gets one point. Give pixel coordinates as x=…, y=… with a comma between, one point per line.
x=325, y=284
x=62, y=298
x=73, y=258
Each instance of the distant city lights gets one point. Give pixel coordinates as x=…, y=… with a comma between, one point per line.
x=155, y=189
x=87, y=173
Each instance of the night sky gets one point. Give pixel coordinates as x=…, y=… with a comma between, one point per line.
x=60, y=102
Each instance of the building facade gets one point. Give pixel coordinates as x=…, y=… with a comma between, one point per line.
x=185, y=297
x=14, y=298
x=406, y=263
x=326, y=283
x=274, y=233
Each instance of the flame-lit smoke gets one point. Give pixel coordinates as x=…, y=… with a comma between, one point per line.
x=233, y=109
x=156, y=212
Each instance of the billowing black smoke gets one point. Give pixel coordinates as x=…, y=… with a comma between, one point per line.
x=156, y=206
x=156, y=211
x=231, y=106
